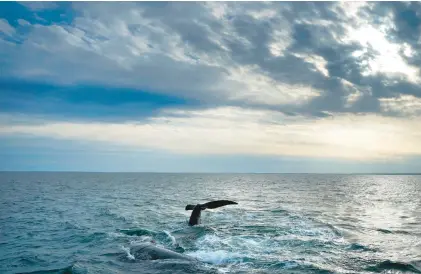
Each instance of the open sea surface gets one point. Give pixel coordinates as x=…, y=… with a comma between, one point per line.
x=283, y=223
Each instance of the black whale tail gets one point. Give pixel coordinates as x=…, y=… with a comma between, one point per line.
x=212, y=205
x=190, y=207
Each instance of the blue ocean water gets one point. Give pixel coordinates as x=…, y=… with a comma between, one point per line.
x=289, y=223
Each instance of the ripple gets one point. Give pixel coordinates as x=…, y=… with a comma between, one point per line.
x=138, y=232
x=65, y=270
x=360, y=247
x=284, y=224
x=390, y=265
x=387, y=231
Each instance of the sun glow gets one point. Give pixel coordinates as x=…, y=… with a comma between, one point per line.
x=387, y=59
x=238, y=131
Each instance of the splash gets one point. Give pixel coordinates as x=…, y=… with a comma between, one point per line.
x=127, y=251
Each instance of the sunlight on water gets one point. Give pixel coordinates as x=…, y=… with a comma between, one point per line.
x=89, y=223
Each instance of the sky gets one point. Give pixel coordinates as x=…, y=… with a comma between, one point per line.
x=325, y=87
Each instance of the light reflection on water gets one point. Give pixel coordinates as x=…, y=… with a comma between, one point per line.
x=284, y=223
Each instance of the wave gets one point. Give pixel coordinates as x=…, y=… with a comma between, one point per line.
x=171, y=237
x=127, y=251
x=390, y=265
x=387, y=231
x=138, y=232
x=280, y=211
x=96, y=236
x=65, y=270
x=360, y=247
x=298, y=267
x=107, y=212
x=173, y=267
x=218, y=256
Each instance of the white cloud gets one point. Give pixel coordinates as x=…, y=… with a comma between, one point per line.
x=281, y=39
x=263, y=13
x=218, y=10
x=354, y=94
x=239, y=131
x=403, y=104
x=388, y=59
x=256, y=87
x=23, y=22
x=352, y=98
x=318, y=61
x=211, y=53
x=39, y=5
x=352, y=9
x=6, y=28
x=126, y=47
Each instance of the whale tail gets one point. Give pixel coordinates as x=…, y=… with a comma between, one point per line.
x=212, y=205
x=190, y=207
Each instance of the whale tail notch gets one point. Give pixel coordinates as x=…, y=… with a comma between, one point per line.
x=212, y=205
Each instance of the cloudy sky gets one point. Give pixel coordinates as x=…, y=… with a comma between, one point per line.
x=211, y=87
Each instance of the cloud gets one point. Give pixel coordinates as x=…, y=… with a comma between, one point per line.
x=387, y=56
x=234, y=131
x=23, y=22
x=402, y=105
x=39, y=6
x=85, y=103
x=133, y=49
x=295, y=55
x=338, y=79
x=6, y=28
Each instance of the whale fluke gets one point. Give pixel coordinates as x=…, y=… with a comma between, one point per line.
x=216, y=204
x=212, y=205
x=197, y=209
x=190, y=207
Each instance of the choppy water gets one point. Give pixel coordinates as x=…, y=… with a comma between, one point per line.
x=87, y=223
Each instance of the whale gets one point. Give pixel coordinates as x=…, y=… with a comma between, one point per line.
x=197, y=209
x=147, y=251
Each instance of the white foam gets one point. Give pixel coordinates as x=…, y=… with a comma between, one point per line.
x=216, y=257
x=140, y=240
x=209, y=240
x=129, y=255
x=173, y=241
x=114, y=234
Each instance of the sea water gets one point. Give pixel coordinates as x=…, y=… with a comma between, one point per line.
x=283, y=223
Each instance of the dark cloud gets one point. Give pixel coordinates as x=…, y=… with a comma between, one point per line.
x=406, y=19
x=84, y=102
x=237, y=37
x=311, y=10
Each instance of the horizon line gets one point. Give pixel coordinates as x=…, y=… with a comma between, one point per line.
x=210, y=172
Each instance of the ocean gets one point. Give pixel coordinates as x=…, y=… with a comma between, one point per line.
x=56, y=222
